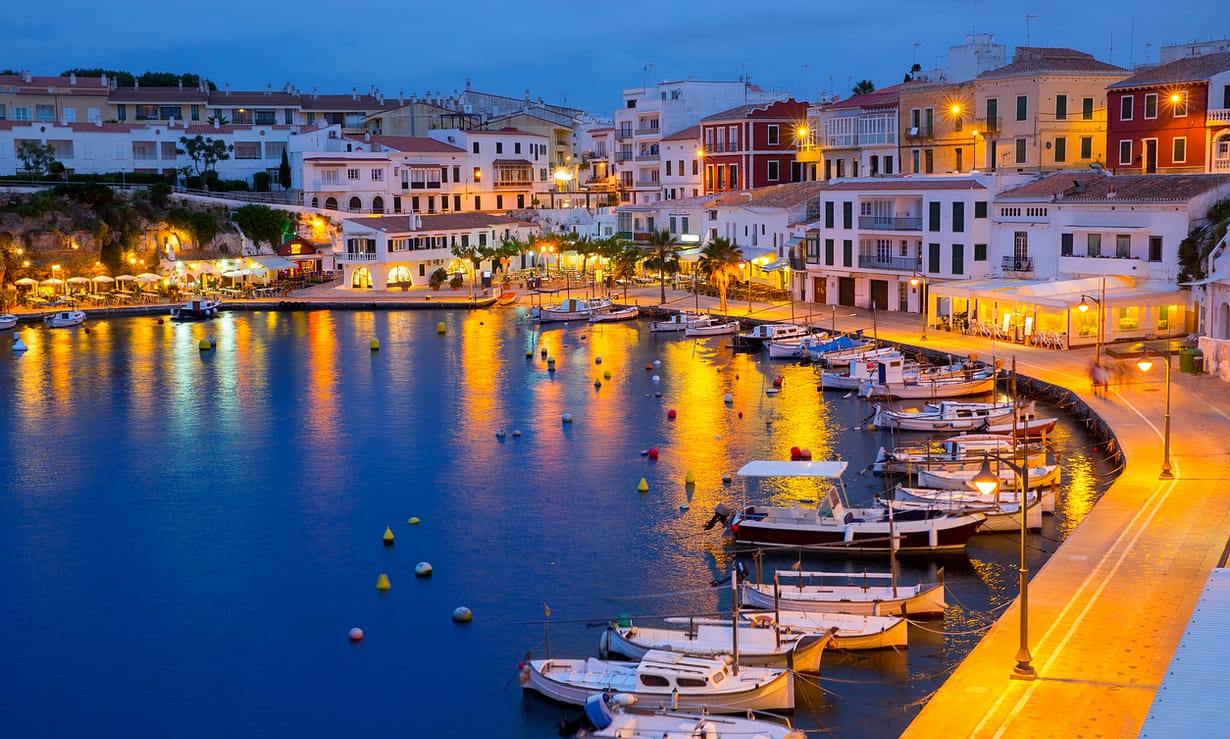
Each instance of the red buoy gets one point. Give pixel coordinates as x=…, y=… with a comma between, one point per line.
x=805, y=453
x=653, y=452
x=671, y=414
x=795, y=452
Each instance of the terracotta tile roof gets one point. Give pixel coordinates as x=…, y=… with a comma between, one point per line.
x=777, y=196
x=208, y=128
x=691, y=132
x=1031, y=61
x=882, y=98
x=347, y=103
x=908, y=184
x=438, y=222
x=416, y=144
x=138, y=95
x=1089, y=186
x=1192, y=69
x=76, y=127
x=61, y=85
x=786, y=107
x=253, y=99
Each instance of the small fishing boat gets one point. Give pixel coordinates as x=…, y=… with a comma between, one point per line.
x=1002, y=514
x=676, y=322
x=1024, y=427
x=889, y=384
x=853, y=632
x=664, y=678
x=506, y=298
x=832, y=525
x=960, y=451
x=618, y=314
x=620, y=716
x=758, y=645
x=196, y=309
x=711, y=327
x=755, y=340
x=945, y=416
x=961, y=476
x=64, y=319
x=841, y=592
x=7, y=321
x=572, y=309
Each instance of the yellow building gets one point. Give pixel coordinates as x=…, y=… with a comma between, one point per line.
x=938, y=131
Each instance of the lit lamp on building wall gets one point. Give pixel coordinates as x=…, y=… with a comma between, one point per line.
x=1145, y=363
x=919, y=280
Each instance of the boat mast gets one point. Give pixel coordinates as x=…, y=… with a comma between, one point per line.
x=734, y=630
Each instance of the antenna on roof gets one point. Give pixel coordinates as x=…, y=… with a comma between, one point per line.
x=1028, y=18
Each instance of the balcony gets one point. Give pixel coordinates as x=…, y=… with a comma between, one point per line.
x=510, y=182
x=988, y=125
x=888, y=223
x=1017, y=264
x=648, y=183
x=652, y=157
x=809, y=153
x=623, y=134
x=920, y=133
x=357, y=256
x=1218, y=115
x=896, y=264
x=648, y=131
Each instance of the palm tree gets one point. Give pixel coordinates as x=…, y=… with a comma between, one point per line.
x=719, y=262
x=624, y=259
x=864, y=87
x=663, y=256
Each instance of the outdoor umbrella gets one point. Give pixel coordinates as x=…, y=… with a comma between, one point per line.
x=103, y=278
x=148, y=277
x=26, y=281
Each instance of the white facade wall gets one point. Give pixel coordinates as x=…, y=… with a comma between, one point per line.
x=682, y=169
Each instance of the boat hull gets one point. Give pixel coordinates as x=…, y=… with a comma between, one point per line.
x=712, y=329
x=65, y=319
x=929, y=390
x=914, y=600
x=757, y=647
x=7, y=321
x=766, y=526
x=623, y=314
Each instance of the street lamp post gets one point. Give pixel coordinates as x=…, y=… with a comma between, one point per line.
x=919, y=280
x=1084, y=308
x=1145, y=364
x=987, y=483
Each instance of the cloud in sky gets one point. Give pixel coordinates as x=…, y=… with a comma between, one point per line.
x=582, y=54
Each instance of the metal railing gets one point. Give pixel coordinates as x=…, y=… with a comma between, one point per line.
x=354, y=256
x=988, y=125
x=896, y=264
x=889, y=223
x=1017, y=264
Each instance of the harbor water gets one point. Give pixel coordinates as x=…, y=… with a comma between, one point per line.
x=187, y=536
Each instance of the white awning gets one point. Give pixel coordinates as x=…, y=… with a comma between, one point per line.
x=755, y=252
x=778, y=468
x=690, y=255
x=273, y=261
x=775, y=266
x=794, y=241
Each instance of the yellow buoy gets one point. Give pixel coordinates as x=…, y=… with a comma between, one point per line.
x=643, y=486
x=382, y=582
x=441, y=328
x=375, y=345
x=606, y=375
x=690, y=479
x=204, y=345
x=388, y=536
x=413, y=520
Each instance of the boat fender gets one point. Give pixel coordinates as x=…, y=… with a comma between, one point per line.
x=762, y=621
x=598, y=711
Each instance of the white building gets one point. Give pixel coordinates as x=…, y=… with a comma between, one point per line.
x=682, y=164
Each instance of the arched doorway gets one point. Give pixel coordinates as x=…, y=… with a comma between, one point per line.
x=315, y=202
x=1223, y=321
x=331, y=203
x=361, y=279
x=400, y=276
x=356, y=205
x=377, y=204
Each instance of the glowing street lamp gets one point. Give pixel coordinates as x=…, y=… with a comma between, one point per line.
x=1083, y=307
x=919, y=280
x=1145, y=363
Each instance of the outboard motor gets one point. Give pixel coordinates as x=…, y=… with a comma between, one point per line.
x=721, y=514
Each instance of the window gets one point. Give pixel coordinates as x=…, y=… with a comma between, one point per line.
x=1020, y=151
x=958, y=259
x=1061, y=107
x=1022, y=107
x=1086, y=109
x=1180, y=150
x=1061, y=150
x=352, y=174
x=1155, y=248
x=773, y=170
x=1129, y=318
x=774, y=135
x=516, y=147
x=475, y=147
x=847, y=215
x=1178, y=104
x=499, y=147
x=847, y=253
x=958, y=217
x=274, y=149
x=695, y=167
x=933, y=258
x=328, y=177
x=980, y=252
x=248, y=150
x=195, y=112
x=1093, y=245
x=167, y=112
x=668, y=168
x=980, y=209
x=1150, y=105
x=1020, y=244
x=933, y=219
x=928, y=161
x=1125, y=108
x=356, y=205
x=828, y=214
x=1125, y=152
x=1065, y=245
x=828, y=252
x=1123, y=245
x=734, y=177
x=1086, y=147
x=915, y=156
x=147, y=112
x=377, y=175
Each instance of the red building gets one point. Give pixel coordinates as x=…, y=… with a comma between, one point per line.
x=1173, y=118
x=751, y=146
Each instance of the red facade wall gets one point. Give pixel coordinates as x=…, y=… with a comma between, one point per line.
x=754, y=152
x=1165, y=128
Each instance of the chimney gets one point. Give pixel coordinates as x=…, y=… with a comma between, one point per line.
x=136, y=84
x=1110, y=192
x=314, y=95
x=227, y=89
x=401, y=98
x=527, y=95
x=181, y=84
x=72, y=78
x=354, y=93
x=26, y=76
x=268, y=88
x=468, y=85
x=217, y=123
x=103, y=82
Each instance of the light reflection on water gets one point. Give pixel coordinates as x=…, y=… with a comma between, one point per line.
x=224, y=507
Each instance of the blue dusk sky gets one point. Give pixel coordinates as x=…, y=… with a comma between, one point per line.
x=582, y=55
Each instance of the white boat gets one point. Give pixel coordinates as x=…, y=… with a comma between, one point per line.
x=711, y=327
x=864, y=352
x=841, y=592
x=945, y=416
x=974, y=497
x=832, y=525
x=754, y=340
x=64, y=319
x=621, y=314
x=961, y=476
x=857, y=371
x=621, y=717
x=7, y=321
x=796, y=347
x=666, y=679
x=970, y=382
x=1027, y=427
x=572, y=309
x=850, y=631
x=960, y=451
x=758, y=646
x=196, y=308
x=1002, y=514
x=675, y=322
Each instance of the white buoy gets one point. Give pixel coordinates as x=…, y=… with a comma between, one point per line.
x=462, y=615
x=356, y=634
x=423, y=569
x=517, y=432
x=657, y=363
x=567, y=418
x=657, y=379
x=728, y=398
x=499, y=434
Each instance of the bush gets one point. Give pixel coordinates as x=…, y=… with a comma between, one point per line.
x=437, y=278
x=456, y=281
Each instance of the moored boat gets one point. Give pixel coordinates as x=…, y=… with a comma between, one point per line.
x=195, y=309
x=971, y=382
x=841, y=592
x=664, y=678
x=508, y=297
x=675, y=322
x=853, y=632
x=572, y=309
x=946, y=416
x=759, y=646
x=620, y=716
x=961, y=476
x=64, y=319
x=7, y=321
x=754, y=340
x=711, y=327
x=615, y=314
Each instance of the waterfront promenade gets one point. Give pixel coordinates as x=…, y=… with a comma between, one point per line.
x=1108, y=609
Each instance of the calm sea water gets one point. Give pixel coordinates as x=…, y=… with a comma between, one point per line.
x=186, y=537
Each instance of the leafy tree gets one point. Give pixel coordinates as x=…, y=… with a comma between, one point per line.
x=864, y=87
x=437, y=278
x=123, y=79
x=205, y=154
x=624, y=260
x=477, y=254
x=35, y=158
x=170, y=79
x=719, y=263
x=262, y=223
x=663, y=253
x=202, y=226
x=284, y=171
